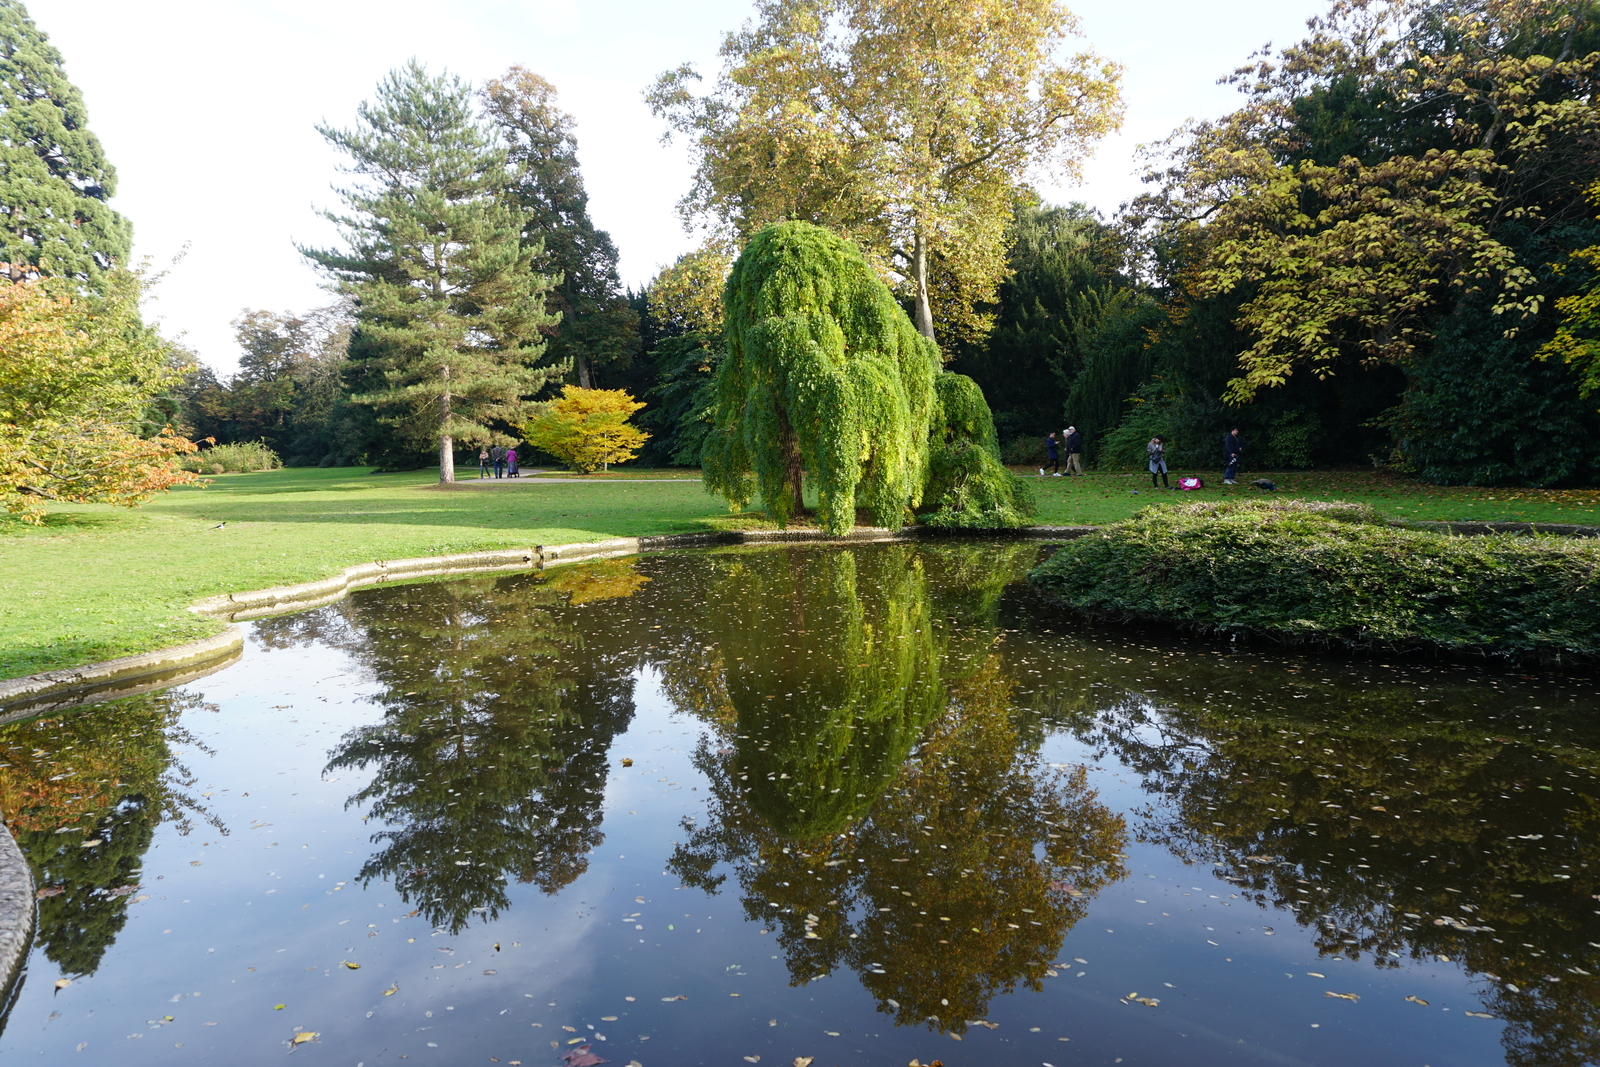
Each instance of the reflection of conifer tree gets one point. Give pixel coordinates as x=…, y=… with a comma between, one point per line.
x=83, y=796
x=489, y=762
x=1390, y=836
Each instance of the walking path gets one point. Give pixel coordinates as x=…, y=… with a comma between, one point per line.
x=532, y=477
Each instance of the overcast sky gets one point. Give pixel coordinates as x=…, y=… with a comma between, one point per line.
x=207, y=109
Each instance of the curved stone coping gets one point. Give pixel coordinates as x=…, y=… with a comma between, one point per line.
x=21, y=698
x=16, y=918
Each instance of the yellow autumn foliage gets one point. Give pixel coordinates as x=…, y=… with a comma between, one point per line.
x=587, y=428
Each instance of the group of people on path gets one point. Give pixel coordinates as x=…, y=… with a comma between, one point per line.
x=1071, y=441
x=1156, y=450
x=502, y=460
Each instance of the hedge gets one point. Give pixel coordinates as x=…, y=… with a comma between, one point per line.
x=1336, y=575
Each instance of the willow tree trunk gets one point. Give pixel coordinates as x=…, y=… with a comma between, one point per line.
x=919, y=277
x=447, y=445
x=789, y=442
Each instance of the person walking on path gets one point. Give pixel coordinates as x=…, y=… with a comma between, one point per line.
x=1157, y=448
x=498, y=454
x=1074, y=441
x=511, y=463
x=1232, y=455
x=483, y=463
x=1052, y=449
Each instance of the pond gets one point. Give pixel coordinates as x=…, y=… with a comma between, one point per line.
x=861, y=805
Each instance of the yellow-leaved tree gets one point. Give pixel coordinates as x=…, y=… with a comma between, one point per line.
x=78, y=373
x=587, y=428
x=906, y=125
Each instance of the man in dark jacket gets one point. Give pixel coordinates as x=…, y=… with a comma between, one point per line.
x=1074, y=451
x=1232, y=455
x=1052, y=449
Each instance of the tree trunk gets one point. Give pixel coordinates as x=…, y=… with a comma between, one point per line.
x=447, y=449
x=919, y=278
x=789, y=442
x=584, y=381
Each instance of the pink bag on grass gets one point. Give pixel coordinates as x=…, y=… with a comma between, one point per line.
x=1190, y=482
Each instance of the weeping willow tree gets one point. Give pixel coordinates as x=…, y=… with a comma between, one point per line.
x=826, y=381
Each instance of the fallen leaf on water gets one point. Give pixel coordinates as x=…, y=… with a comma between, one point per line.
x=805, y=1061
x=1316, y=974
x=352, y=965
x=1480, y=1015
x=680, y=996
x=62, y=983
x=581, y=1057
x=1418, y=1000
x=752, y=1059
x=49, y=891
x=392, y=990
x=305, y=1035
x=277, y=1007
x=1342, y=996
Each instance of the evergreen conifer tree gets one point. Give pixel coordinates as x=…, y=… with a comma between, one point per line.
x=450, y=311
x=54, y=178
x=598, y=327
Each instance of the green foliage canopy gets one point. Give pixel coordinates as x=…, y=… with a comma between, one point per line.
x=825, y=378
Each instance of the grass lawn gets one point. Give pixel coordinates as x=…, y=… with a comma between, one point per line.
x=97, y=582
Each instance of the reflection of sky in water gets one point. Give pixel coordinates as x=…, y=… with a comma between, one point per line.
x=665, y=880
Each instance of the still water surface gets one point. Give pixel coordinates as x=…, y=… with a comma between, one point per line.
x=858, y=804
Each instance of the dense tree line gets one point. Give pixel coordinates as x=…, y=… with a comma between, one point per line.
x=1385, y=255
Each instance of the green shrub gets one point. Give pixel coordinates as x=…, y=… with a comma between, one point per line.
x=233, y=459
x=1335, y=574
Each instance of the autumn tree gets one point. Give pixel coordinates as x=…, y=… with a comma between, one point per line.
x=76, y=385
x=587, y=428
x=598, y=328
x=908, y=127
x=55, y=180
x=1381, y=176
x=450, y=311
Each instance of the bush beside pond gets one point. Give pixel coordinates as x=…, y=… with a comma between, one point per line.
x=1335, y=574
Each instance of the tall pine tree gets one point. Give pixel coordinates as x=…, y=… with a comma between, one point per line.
x=54, y=178
x=450, y=312
x=598, y=327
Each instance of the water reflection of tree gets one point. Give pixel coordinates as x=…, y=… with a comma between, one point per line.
x=1389, y=835
x=942, y=877
x=83, y=795
x=490, y=760
x=958, y=884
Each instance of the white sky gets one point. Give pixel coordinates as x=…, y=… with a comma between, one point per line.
x=207, y=108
